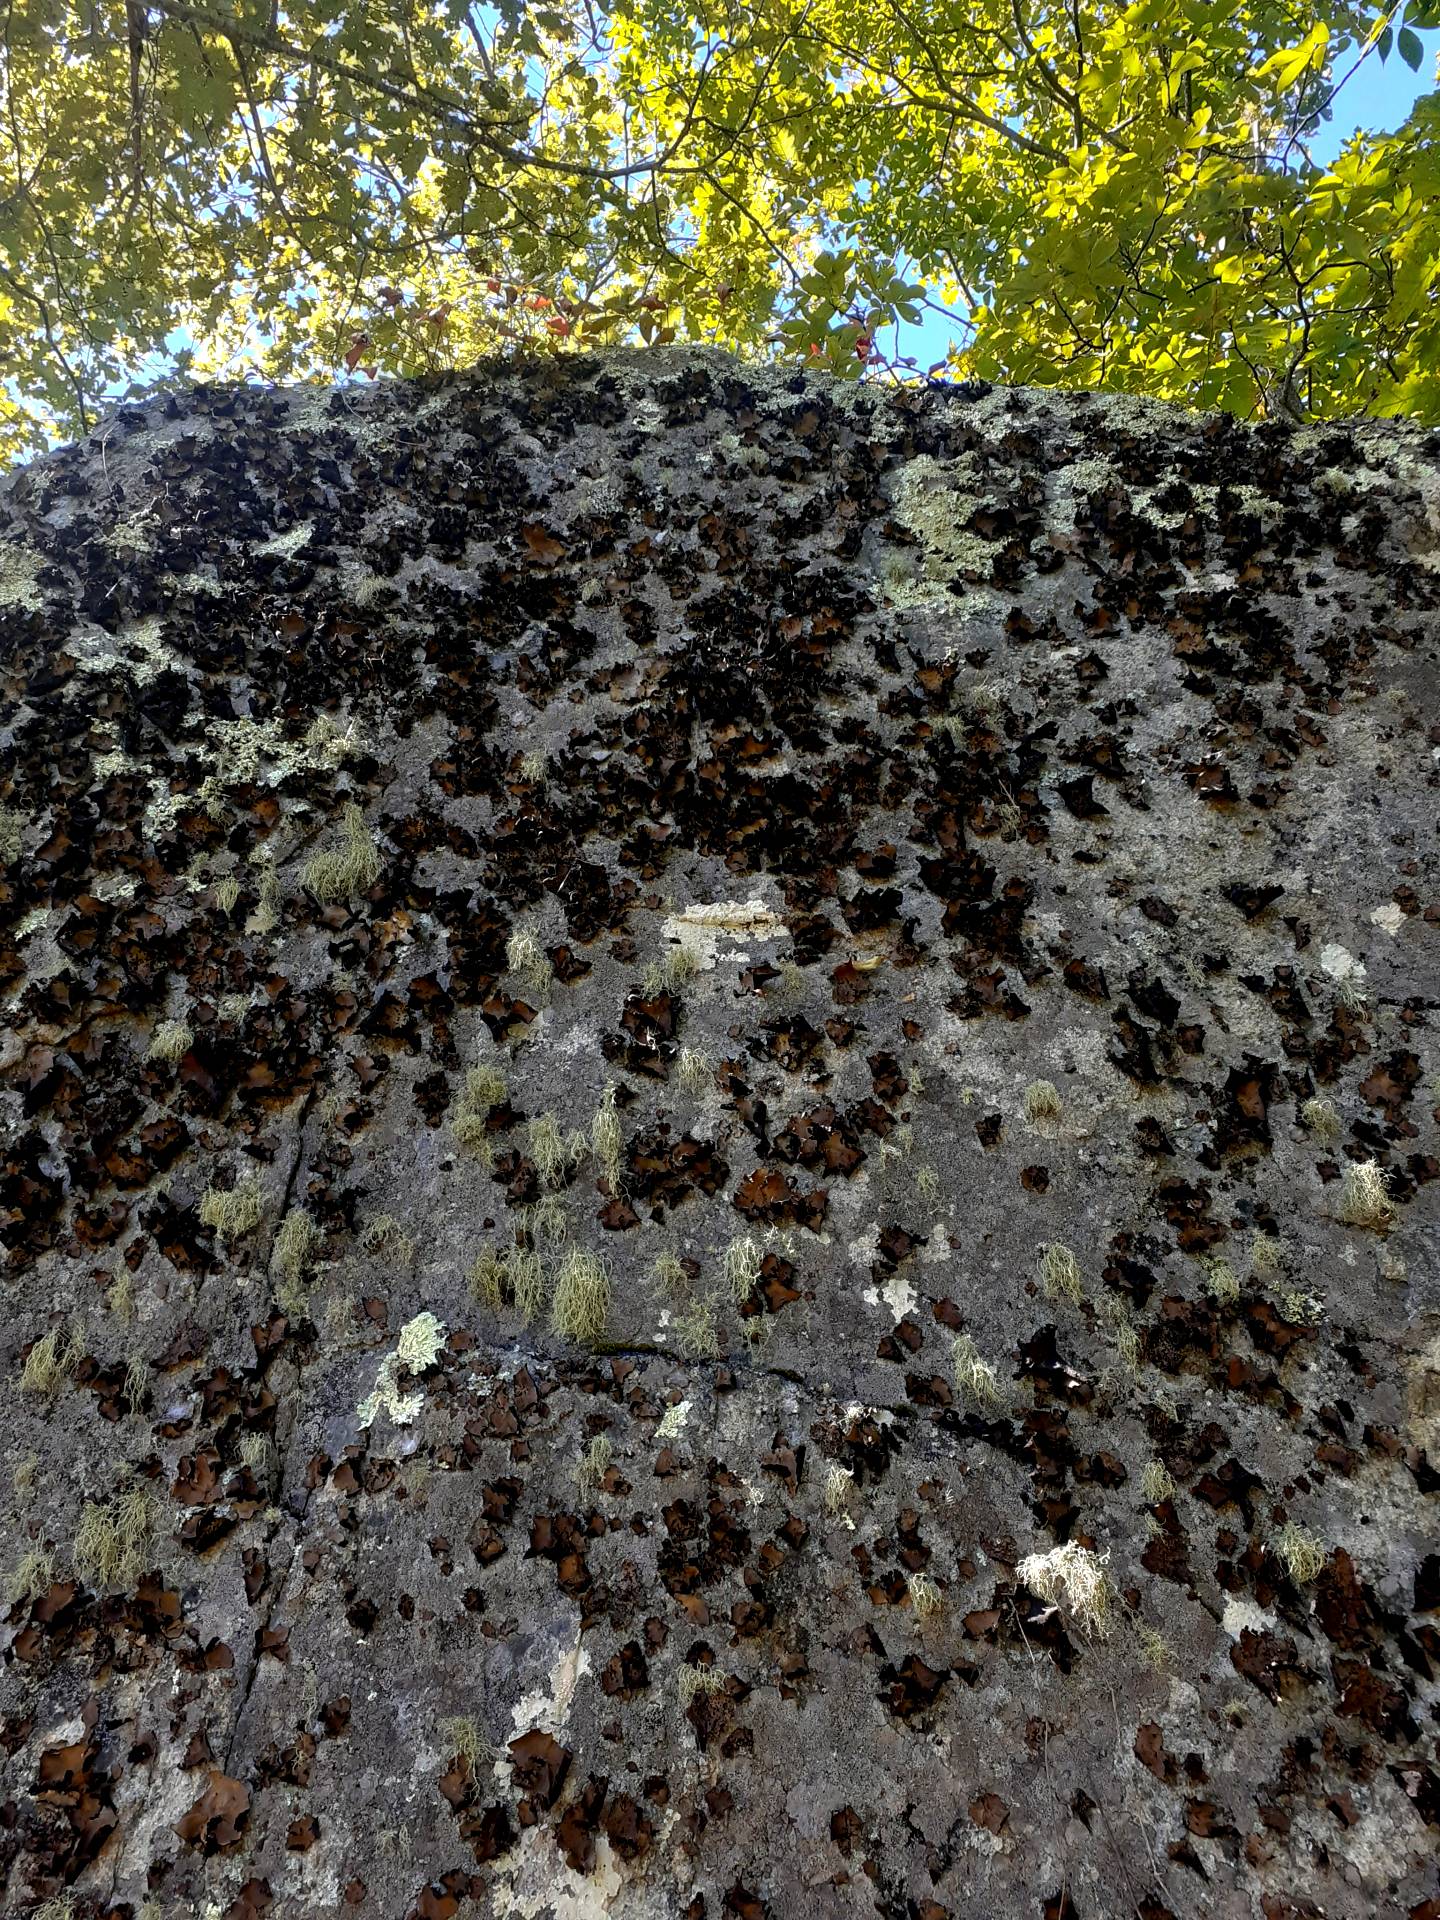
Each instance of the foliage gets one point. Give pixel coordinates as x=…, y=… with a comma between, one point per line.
x=1110, y=196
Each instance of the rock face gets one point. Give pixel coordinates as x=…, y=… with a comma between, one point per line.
x=718, y=1156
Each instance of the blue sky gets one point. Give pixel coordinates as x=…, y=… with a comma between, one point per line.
x=1375, y=100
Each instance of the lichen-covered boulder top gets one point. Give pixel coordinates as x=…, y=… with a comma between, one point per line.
x=718, y=1156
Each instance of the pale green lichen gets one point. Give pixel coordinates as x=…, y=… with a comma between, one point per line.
x=484, y=1090
x=695, y=1330
x=382, y=1233
x=418, y=1348
x=528, y=1283
x=547, y=1150
x=486, y=1278
x=934, y=502
x=1221, y=1282
x=34, y=1575
x=691, y=1681
x=1319, y=1117
x=1267, y=1256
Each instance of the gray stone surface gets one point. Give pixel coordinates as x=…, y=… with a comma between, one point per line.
x=951, y=877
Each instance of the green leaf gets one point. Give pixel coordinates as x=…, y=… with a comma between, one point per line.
x=1412, y=48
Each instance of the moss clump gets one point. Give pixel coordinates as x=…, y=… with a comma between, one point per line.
x=1302, y=1552
x=693, y=1070
x=525, y=956
x=926, y=1599
x=12, y=827
x=171, y=1041
x=547, y=1150
x=581, y=1306
x=34, y=1575
x=743, y=1261
x=111, y=1538
x=1156, y=1483
x=975, y=1378
x=1060, y=1273
x=484, y=1090
x=1364, y=1201
x=234, y=1213
x=1076, y=1576
x=291, y=1258
x=695, y=1331
x=594, y=1463
x=1220, y=1281
x=50, y=1361
x=1042, y=1103
x=607, y=1140
x=351, y=868
x=1317, y=1116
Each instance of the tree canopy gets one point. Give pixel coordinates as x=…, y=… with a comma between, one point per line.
x=1109, y=196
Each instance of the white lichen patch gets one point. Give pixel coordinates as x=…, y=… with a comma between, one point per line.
x=1389, y=918
x=548, y=1705
x=700, y=929
x=672, y=1421
x=418, y=1347
x=1340, y=964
